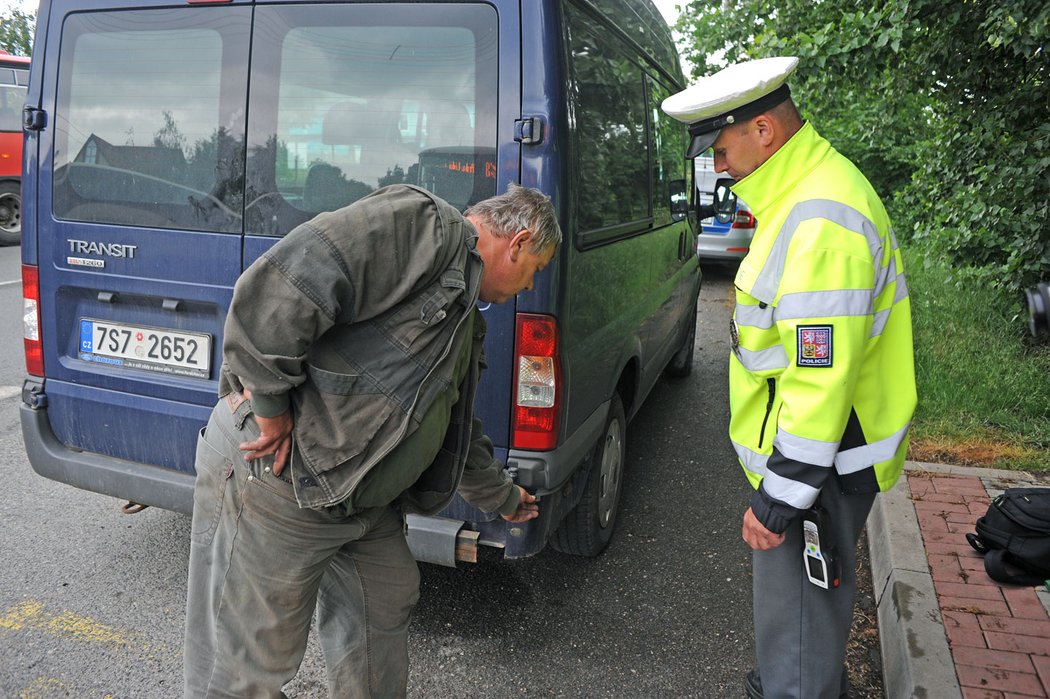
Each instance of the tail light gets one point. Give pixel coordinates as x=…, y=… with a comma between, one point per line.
x=537, y=399
x=31, y=320
x=744, y=219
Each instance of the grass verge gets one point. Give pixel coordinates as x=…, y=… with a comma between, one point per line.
x=983, y=382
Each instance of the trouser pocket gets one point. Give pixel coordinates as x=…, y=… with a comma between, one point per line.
x=214, y=470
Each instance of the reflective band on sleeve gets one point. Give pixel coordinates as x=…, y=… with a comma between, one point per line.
x=796, y=494
x=882, y=317
x=768, y=281
x=752, y=460
x=858, y=458
x=754, y=316
x=763, y=360
x=810, y=451
x=885, y=276
x=824, y=304
x=902, y=289
x=878, y=322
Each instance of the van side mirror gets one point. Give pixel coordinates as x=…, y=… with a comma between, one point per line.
x=723, y=206
x=679, y=199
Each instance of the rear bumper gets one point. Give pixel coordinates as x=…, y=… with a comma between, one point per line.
x=127, y=480
x=550, y=475
x=731, y=246
x=555, y=477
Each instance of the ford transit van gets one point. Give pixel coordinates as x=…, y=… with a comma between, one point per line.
x=171, y=142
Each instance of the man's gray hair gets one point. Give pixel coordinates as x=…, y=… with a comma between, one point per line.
x=517, y=209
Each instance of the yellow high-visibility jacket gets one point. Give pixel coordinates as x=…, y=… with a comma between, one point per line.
x=822, y=372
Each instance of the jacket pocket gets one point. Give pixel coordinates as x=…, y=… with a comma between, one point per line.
x=416, y=322
x=338, y=415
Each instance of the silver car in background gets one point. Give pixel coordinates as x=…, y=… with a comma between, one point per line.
x=720, y=242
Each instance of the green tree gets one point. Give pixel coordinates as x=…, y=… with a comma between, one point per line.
x=16, y=32
x=944, y=105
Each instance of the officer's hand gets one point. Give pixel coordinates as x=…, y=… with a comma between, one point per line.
x=527, y=508
x=757, y=536
x=275, y=437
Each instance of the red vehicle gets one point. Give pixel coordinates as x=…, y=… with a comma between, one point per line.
x=14, y=76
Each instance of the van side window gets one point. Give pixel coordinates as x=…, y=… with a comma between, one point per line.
x=610, y=112
x=365, y=97
x=153, y=118
x=669, y=145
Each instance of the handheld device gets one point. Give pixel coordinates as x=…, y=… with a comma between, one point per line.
x=822, y=566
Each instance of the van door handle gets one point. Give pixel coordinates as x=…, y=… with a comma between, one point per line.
x=683, y=245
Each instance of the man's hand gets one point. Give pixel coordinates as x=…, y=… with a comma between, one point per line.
x=527, y=508
x=275, y=437
x=757, y=536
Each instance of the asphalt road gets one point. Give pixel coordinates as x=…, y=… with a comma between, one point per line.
x=91, y=600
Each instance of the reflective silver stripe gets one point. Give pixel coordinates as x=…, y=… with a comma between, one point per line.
x=771, y=358
x=768, y=281
x=825, y=304
x=754, y=316
x=902, y=289
x=859, y=458
x=878, y=322
x=882, y=317
x=752, y=460
x=886, y=275
x=792, y=492
x=808, y=451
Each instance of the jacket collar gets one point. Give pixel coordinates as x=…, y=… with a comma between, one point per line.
x=773, y=179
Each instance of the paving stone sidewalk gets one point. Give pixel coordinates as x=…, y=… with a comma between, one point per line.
x=948, y=630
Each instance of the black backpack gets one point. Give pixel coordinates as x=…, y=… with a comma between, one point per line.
x=1016, y=531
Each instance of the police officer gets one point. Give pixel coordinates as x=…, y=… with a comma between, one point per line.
x=821, y=377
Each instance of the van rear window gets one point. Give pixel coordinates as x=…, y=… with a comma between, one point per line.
x=151, y=118
x=347, y=99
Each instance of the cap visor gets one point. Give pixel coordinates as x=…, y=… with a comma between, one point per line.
x=701, y=143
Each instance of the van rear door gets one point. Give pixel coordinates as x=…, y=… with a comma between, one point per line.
x=139, y=230
x=347, y=98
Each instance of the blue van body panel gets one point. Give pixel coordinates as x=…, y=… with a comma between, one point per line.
x=621, y=296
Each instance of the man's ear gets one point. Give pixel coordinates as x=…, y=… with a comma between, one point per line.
x=766, y=129
x=521, y=242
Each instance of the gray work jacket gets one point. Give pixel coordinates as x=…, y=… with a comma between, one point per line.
x=355, y=320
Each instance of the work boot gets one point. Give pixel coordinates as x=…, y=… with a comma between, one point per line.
x=753, y=685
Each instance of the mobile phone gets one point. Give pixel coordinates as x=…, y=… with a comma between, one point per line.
x=819, y=556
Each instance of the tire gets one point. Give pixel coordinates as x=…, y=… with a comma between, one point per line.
x=681, y=364
x=588, y=528
x=10, y=213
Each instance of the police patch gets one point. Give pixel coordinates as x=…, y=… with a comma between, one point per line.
x=814, y=345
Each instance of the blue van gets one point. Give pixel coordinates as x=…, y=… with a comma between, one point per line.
x=169, y=144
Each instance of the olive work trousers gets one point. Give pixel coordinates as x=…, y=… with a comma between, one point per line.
x=801, y=629
x=260, y=564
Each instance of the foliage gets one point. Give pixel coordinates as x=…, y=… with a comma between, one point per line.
x=981, y=378
x=944, y=105
x=16, y=32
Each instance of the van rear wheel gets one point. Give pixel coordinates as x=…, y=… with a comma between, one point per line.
x=588, y=528
x=10, y=213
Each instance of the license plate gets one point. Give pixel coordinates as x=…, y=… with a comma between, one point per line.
x=140, y=347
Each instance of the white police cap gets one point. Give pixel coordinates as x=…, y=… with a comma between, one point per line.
x=737, y=92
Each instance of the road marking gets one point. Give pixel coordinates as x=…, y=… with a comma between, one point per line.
x=31, y=615
x=10, y=392
x=16, y=281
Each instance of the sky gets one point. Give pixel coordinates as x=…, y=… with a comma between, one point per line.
x=668, y=8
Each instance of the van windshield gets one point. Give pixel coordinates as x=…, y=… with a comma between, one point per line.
x=348, y=99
